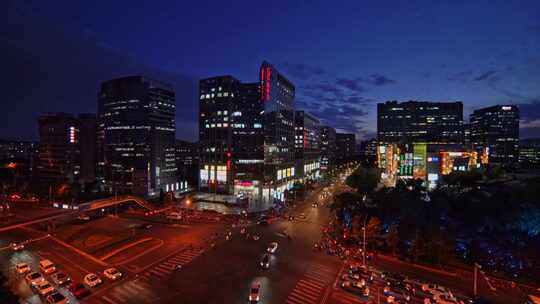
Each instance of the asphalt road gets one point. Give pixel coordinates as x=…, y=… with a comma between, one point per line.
x=216, y=270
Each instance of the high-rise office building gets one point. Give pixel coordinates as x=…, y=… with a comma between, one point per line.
x=87, y=143
x=497, y=129
x=17, y=150
x=368, y=149
x=420, y=121
x=346, y=147
x=307, y=145
x=529, y=152
x=187, y=162
x=328, y=147
x=59, y=150
x=246, y=136
x=137, y=135
x=277, y=96
x=218, y=98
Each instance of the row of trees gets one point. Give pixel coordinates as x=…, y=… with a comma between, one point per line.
x=496, y=223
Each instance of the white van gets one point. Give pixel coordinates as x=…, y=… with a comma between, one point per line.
x=46, y=266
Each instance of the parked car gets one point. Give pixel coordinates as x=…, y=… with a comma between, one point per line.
x=60, y=278
x=112, y=274
x=78, y=290
x=46, y=266
x=22, y=268
x=92, y=280
x=57, y=298
x=44, y=288
x=34, y=278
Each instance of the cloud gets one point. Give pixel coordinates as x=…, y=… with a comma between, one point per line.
x=351, y=84
x=489, y=75
x=358, y=100
x=462, y=76
x=45, y=56
x=325, y=88
x=302, y=71
x=379, y=80
x=529, y=123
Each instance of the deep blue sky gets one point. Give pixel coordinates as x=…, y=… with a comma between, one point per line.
x=343, y=56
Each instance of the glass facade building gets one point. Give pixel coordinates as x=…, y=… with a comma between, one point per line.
x=136, y=135
x=496, y=129
x=420, y=121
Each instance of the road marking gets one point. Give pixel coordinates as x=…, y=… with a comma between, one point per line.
x=311, y=284
x=108, y=300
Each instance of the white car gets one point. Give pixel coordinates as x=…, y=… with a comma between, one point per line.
x=112, y=274
x=34, y=278
x=254, y=293
x=17, y=246
x=92, y=280
x=83, y=217
x=22, y=268
x=46, y=266
x=44, y=288
x=272, y=247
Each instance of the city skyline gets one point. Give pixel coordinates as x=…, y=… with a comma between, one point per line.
x=355, y=152
x=339, y=80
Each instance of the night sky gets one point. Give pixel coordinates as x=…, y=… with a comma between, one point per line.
x=343, y=57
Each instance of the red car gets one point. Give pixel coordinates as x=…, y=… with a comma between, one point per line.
x=79, y=290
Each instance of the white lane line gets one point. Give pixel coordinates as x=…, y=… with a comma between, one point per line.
x=301, y=293
x=296, y=298
x=117, y=297
x=311, y=284
x=317, y=279
x=108, y=300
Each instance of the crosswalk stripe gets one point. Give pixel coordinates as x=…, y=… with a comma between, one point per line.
x=118, y=298
x=165, y=268
x=130, y=288
x=296, y=297
x=311, y=298
x=317, y=279
x=122, y=291
x=321, y=272
x=108, y=300
x=168, y=264
x=308, y=290
x=156, y=273
x=137, y=286
x=311, y=284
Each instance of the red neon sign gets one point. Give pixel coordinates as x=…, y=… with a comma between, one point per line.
x=268, y=72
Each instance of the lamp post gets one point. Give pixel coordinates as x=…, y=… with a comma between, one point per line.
x=364, y=243
x=476, y=266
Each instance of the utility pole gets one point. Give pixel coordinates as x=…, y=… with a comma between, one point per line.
x=476, y=266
